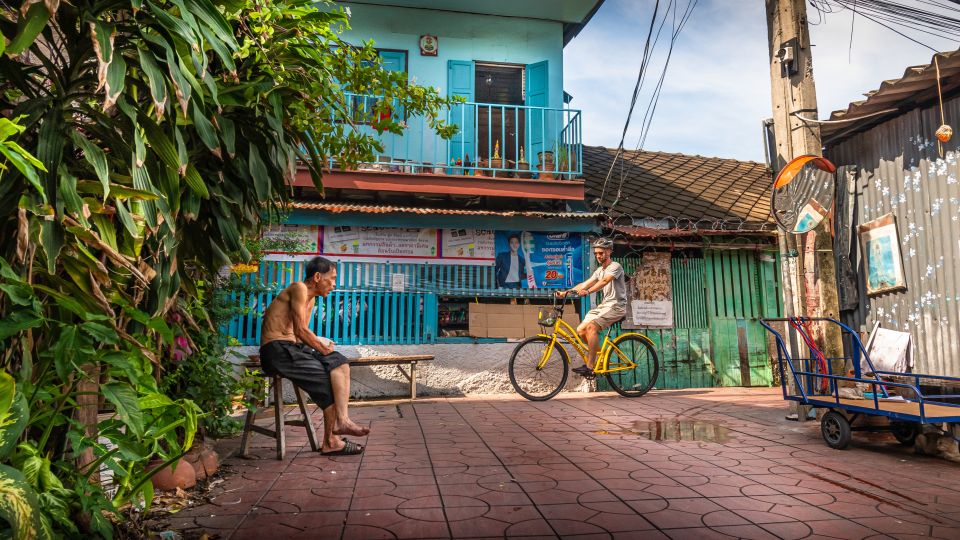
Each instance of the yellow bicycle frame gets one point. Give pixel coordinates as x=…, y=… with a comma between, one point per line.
x=563, y=331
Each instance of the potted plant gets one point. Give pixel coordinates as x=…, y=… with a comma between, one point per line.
x=523, y=167
x=566, y=161
x=547, y=165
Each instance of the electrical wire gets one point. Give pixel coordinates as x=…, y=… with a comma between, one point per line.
x=899, y=17
x=633, y=100
x=655, y=97
x=671, y=10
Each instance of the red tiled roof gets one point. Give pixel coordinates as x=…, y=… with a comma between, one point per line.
x=680, y=188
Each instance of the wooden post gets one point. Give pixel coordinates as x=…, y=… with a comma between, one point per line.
x=809, y=273
x=88, y=390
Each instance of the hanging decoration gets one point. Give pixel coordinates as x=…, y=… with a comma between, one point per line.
x=944, y=132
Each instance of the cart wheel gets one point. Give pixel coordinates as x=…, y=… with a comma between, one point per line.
x=836, y=430
x=905, y=432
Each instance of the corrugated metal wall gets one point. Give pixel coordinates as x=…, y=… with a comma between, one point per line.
x=896, y=168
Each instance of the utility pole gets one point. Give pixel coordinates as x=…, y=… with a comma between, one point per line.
x=807, y=263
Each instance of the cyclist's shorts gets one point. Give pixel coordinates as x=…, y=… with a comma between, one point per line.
x=605, y=316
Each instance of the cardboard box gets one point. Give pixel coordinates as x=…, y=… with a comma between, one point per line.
x=504, y=309
x=505, y=320
x=505, y=332
x=477, y=320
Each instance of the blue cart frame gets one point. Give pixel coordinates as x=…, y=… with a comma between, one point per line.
x=905, y=415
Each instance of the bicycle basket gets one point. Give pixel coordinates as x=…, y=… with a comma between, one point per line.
x=547, y=317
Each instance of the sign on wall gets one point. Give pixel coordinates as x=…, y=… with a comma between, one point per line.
x=471, y=244
x=882, y=260
x=380, y=242
x=535, y=260
x=650, y=293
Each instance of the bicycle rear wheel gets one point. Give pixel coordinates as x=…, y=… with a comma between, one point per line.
x=638, y=380
x=533, y=382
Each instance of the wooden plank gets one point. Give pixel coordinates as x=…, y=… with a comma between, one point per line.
x=761, y=374
x=932, y=413
x=377, y=181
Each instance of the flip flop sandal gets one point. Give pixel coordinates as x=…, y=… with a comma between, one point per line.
x=350, y=448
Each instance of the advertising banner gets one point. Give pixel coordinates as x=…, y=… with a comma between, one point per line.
x=380, y=242
x=468, y=245
x=536, y=260
x=650, y=293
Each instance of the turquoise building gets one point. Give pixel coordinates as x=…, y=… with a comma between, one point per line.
x=417, y=232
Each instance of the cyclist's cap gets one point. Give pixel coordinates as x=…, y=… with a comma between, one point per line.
x=603, y=243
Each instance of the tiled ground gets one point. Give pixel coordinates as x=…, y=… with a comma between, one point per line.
x=495, y=467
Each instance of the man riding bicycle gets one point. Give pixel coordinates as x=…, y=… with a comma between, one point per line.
x=612, y=308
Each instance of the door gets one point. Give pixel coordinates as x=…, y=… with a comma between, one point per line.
x=736, y=300
x=537, y=117
x=460, y=83
x=500, y=120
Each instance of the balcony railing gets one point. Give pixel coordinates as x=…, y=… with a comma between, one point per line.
x=512, y=141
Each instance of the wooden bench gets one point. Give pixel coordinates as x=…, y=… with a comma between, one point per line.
x=398, y=361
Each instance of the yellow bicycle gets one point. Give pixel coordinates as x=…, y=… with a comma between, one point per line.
x=540, y=364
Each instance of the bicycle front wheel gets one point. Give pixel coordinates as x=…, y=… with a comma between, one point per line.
x=637, y=380
x=533, y=378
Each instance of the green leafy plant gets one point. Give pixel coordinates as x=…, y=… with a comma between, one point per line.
x=153, y=138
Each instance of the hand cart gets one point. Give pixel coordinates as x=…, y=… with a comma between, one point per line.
x=897, y=396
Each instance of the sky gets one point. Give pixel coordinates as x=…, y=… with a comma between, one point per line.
x=717, y=88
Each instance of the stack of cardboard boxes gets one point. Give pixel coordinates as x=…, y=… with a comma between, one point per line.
x=511, y=320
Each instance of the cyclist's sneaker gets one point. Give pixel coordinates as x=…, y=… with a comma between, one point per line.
x=583, y=370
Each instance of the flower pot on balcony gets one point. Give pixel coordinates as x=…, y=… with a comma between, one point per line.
x=547, y=165
x=496, y=163
x=523, y=170
x=480, y=165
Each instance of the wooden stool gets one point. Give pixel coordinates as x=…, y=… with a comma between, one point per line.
x=274, y=383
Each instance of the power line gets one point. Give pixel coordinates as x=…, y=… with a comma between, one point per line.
x=633, y=100
x=655, y=97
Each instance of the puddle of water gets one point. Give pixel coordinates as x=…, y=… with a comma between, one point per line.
x=675, y=429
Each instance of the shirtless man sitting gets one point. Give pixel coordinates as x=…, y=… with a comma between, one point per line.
x=289, y=348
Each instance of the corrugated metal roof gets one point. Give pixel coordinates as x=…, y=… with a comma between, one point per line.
x=917, y=87
x=338, y=208
x=684, y=188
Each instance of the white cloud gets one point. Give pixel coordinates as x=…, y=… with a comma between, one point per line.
x=717, y=89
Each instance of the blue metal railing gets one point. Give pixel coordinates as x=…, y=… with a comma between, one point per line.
x=531, y=142
x=367, y=306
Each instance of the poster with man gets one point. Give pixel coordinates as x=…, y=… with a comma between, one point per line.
x=537, y=260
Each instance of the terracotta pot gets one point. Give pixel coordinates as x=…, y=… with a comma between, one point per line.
x=496, y=163
x=478, y=171
x=524, y=170
x=546, y=170
x=546, y=165
x=169, y=479
x=203, y=459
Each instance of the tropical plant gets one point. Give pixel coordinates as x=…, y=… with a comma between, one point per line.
x=154, y=135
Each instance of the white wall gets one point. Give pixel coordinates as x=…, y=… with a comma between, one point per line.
x=456, y=370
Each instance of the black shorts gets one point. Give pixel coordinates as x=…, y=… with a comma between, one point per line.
x=304, y=366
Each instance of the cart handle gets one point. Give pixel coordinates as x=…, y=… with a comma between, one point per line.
x=858, y=347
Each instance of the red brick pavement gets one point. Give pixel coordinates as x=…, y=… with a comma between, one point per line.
x=503, y=467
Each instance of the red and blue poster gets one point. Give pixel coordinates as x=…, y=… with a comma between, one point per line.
x=538, y=260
